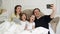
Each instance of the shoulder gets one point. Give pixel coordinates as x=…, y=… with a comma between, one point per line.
x=33, y=23
x=46, y=16
x=13, y=15
x=21, y=21
x=27, y=22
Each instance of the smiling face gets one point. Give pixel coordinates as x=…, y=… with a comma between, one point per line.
x=18, y=10
x=32, y=18
x=37, y=13
x=23, y=17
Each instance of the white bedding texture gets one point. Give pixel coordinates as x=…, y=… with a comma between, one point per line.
x=13, y=28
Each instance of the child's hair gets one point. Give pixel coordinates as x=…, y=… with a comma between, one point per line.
x=22, y=15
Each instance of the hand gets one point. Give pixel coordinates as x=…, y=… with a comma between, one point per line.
x=53, y=7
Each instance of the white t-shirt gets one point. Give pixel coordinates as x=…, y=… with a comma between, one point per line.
x=30, y=25
x=23, y=24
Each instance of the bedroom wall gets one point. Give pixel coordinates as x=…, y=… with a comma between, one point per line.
x=28, y=4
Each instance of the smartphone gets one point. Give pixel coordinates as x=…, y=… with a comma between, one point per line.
x=49, y=6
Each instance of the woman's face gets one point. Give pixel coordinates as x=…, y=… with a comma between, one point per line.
x=37, y=13
x=32, y=18
x=23, y=17
x=18, y=10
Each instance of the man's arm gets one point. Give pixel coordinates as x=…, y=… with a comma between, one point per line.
x=53, y=12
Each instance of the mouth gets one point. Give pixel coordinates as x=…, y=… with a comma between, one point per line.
x=32, y=19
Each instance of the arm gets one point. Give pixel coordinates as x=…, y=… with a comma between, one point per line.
x=33, y=27
x=53, y=11
x=25, y=27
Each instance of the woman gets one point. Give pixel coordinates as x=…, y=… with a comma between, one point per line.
x=42, y=21
x=17, y=12
x=7, y=25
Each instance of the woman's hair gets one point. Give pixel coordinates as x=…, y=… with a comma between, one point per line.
x=36, y=9
x=22, y=15
x=16, y=8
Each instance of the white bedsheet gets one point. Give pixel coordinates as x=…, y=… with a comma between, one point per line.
x=12, y=28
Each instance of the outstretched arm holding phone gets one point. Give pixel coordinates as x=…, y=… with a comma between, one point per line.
x=53, y=11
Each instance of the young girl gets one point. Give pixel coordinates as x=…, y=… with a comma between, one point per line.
x=31, y=23
x=23, y=18
x=29, y=26
x=32, y=29
x=17, y=28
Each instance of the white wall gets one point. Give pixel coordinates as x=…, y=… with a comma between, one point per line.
x=38, y=4
x=31, y=4
x=10, y=4
x=0, y=3
x=58, y=7
x=28, y=4
x=58, y=13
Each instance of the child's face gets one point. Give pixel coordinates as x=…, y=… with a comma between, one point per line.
x=32, y=18
x=23, y=17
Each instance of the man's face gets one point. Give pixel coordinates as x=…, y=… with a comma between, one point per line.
x=18, y=10
x=37, y=13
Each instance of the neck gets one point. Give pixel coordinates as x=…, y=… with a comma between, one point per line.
x=38, y=17
x=31, y=21
x=24, y=20
x=17, y=13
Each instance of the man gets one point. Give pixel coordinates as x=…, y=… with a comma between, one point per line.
x=43, y=20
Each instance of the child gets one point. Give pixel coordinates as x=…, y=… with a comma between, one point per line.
x=17, y=28
x=29, y=26
x=23, y=18
x=31, y=23
x=32, y=29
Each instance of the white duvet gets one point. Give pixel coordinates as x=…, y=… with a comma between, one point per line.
x=12, y=28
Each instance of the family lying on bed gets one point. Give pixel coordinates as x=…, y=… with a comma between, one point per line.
x=36, y=24
x=25, y=27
